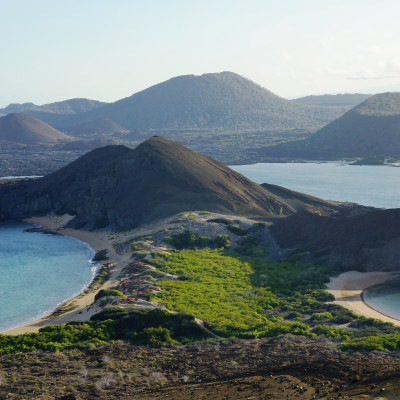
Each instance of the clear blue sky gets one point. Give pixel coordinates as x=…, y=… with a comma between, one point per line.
x=109, y=49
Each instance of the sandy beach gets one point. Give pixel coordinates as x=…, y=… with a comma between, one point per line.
x=348, y=287
x=83, y=302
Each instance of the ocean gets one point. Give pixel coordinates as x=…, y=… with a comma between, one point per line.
x=377, y=186
x=39, y=272
x=384, y=298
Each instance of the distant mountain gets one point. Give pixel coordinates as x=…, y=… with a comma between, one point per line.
x=72, y=106
x=17, y=108
x=123, y=188
x=99, y=126
x=28, y=130
x=84, y=145
x=369, y=129
x=217, y=101
x=345, y=100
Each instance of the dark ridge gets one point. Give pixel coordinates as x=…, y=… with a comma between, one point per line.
x=366, y=241
x=123, y=188
x=370, y=129
x=344, y=100
x=72, y=106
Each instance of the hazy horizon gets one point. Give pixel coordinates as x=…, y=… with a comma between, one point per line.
x=107, y=51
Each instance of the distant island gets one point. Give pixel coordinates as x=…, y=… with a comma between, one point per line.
x=370, y=129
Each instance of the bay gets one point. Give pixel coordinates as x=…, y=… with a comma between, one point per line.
x=377, y=186
x=39, y=272
x=384, y=298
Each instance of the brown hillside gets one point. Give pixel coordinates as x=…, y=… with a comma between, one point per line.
x=124, y=188
x=26, y=129
x=363, y=241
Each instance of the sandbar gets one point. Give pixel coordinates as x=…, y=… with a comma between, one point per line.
x=349, y=286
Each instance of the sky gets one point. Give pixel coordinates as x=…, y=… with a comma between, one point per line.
x=107, y=50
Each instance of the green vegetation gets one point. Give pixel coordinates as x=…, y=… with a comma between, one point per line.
x=156, y=327
x=108, y=293
x=236, y=229
x=101, y=255
x=372, y=343
x=190, y=240
x=234, y=296
x=244, y=294
x=238, y=293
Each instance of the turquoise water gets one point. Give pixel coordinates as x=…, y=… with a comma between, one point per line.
x=377, y=186
x=385, y=299
x=39, y=272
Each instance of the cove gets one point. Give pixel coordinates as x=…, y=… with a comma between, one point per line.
x=39, y=272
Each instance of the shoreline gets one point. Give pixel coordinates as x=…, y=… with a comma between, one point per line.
x=348, y=289
x=82, y=303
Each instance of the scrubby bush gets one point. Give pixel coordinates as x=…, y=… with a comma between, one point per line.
x=190, y=240
x=154, y=337
x=108, y=293
x=101, y=255
x=222, y=241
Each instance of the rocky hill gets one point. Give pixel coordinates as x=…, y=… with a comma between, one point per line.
x=349, y=100
x=369, y=240
x=370, y=129
x=72, y=106
x=215, y=101
x=123, y=188
x=28, y=130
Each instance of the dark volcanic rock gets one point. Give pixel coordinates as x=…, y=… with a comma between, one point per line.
x=366, y=241
x=123, y=188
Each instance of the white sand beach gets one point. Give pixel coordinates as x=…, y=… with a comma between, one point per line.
x=348, y=287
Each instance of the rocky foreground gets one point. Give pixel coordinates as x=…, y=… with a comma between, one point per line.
x=278, y=368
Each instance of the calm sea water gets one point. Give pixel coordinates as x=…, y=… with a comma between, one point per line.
x=384, y=298
x=377, y=186
x=39, y=272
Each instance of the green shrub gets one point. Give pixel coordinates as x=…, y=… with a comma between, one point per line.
x=237, y=230
x=321, y=316
x=372, y=343
x=154, y=337
x=101, y=255
x=222, y=241
x=188, y=240
x=108, y=293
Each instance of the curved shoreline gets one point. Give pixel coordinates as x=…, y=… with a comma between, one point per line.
x=348, y=289
x=83, y=307
x=372, y=308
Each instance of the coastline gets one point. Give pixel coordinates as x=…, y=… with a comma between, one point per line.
x=348, y=290
x=83, y=307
